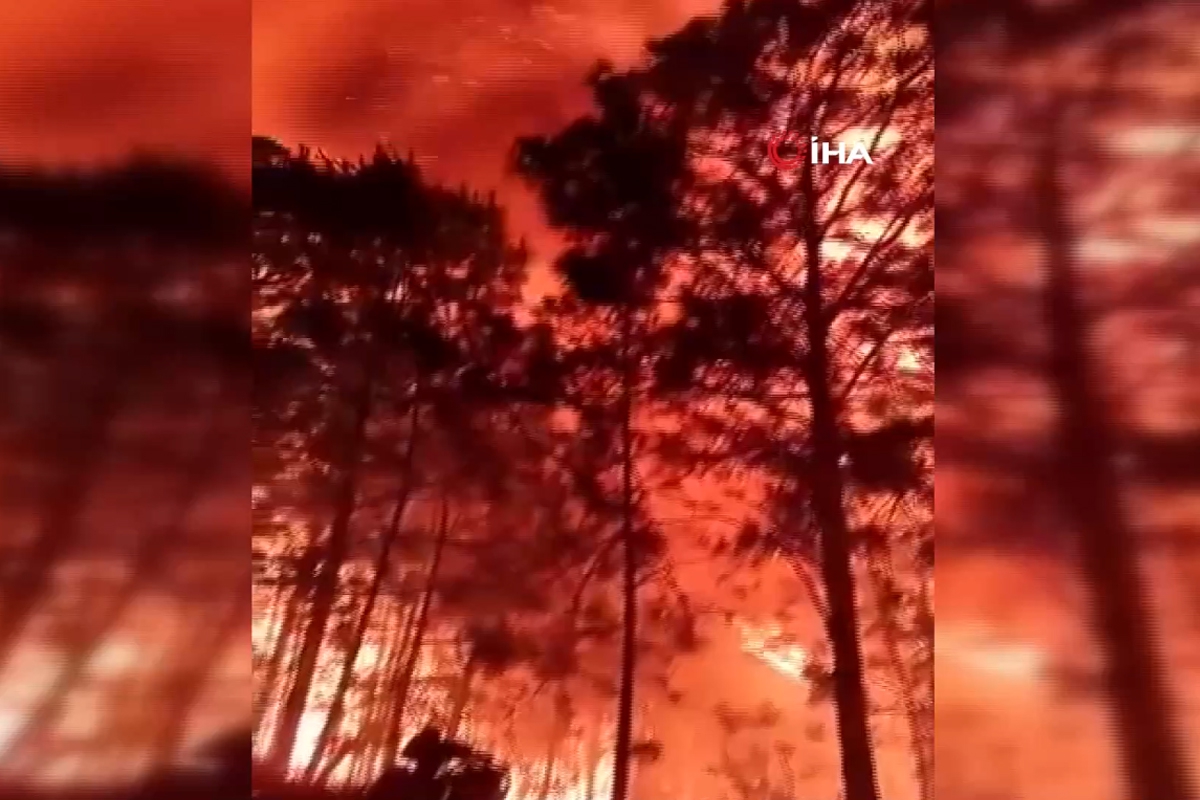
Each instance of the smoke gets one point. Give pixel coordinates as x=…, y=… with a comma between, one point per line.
x=83, y=81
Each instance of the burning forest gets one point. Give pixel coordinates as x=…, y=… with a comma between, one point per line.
x=591, y=410
x=609, y=509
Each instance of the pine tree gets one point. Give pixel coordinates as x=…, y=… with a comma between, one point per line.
x=376, y=293
x=800, y=321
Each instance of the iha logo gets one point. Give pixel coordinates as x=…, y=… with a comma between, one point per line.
x=819, y=152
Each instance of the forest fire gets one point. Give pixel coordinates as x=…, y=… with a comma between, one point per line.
x=593, y=451
x=540, y=610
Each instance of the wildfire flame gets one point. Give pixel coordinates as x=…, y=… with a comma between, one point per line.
x=769, y=644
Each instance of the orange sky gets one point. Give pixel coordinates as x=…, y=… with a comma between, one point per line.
x=457, y=88
x=82, y=80
x=457, y=82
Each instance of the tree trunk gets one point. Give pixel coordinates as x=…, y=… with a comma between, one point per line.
x=1147, y=738
x=326, y=584
x=381, y=715
x=392, y=741
x=390, y=714
x=335, y=758
x=559, y=731
x=622, y=757
x=462, y=697
x=337, y=709
x=837, y=572
x=916, y=716
x=264, y=687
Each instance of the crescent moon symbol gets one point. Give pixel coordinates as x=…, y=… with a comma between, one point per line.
x=773, y=152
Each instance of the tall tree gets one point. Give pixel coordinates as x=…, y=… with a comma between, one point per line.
x=375, y=290
x=803, y=295
x=812, y=288
x=611, y=183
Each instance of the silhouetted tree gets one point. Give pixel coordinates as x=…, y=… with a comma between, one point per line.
x=378, y=294
x=804, y=296
x=471, y=417
x=611, y=184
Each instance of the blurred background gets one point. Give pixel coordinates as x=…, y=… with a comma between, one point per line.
x=479, y=584
x=124, y=477
x=1068, y=499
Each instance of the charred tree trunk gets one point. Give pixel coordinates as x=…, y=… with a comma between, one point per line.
x=462, y=696
x=420, y=626
x=337, y=709
x=379, y=715
x=1148, y=741
x=326, y=582
x=346, y=676
x=336, y=756
x=560, y=729
x=622, y=757
x=264, y=687
x=390, y=714
x=837, y=571
x=915, y=716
